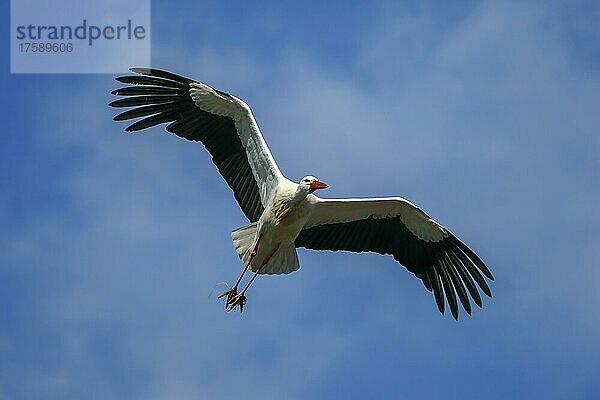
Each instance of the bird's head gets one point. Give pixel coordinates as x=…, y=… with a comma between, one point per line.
x=309, y=184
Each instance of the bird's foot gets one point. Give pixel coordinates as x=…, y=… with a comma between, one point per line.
x=237, y=300
x=231, y=294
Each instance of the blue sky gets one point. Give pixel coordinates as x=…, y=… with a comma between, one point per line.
x=113, y=247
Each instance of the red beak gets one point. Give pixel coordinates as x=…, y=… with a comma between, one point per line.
x=314, y=185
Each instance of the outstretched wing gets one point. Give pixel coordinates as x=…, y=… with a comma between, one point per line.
x=222, y=122
x=396, y=226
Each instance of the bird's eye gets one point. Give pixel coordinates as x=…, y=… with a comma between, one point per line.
x=306, y=180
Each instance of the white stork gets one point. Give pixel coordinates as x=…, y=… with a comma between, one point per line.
x=284, y=215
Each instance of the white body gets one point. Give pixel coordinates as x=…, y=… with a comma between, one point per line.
x=284, y=217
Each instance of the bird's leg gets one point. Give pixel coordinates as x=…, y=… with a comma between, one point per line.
x=232, y=292
x=240, y=299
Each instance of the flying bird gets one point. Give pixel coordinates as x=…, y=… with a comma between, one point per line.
x=284, y=215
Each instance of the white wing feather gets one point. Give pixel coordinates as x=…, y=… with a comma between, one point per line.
x=264, y=168
x=330, y=211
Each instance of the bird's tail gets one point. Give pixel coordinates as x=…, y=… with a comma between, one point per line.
x=243, y=238
x=284, y=261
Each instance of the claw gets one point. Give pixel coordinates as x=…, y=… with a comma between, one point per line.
x=237, y=300
x=230, y=293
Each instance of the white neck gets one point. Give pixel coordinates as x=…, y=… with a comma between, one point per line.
x=299, y=195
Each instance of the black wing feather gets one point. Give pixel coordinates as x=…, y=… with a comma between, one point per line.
x=148, y=80
x=434, y=278
x=458, y=285
x=142, y=90
x=160, y=97
x=448, y=288
x=445, y=267
x=142, y=101
x=466, y=278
